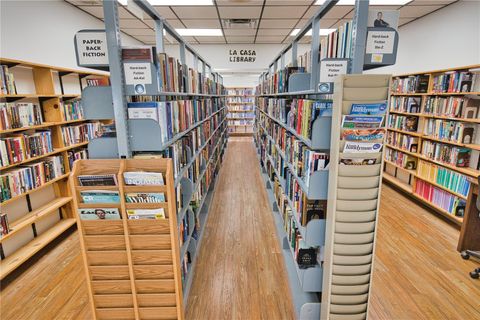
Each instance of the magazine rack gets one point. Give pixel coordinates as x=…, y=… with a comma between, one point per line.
x=131, y=265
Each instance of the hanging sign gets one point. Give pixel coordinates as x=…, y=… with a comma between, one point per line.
x=330, y=69
x=242, y=55
x=91, y=49
x=380, y=42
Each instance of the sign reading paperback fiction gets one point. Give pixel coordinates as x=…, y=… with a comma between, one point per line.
x=242, y=55
x=91, y=49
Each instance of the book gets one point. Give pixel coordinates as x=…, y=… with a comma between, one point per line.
x=99, y=214
x=97, y=180
x=100, y=196
x=15, y=115
x=75, y=134
x=143, y=110
x=471, y=107
x=363, y=135
x=137, y=197
x=146, y=213
x=4, y=228
x=362, y=147
x=467, y=136
x=313, y=209
x=361, y=122
x=138, y=178
x=369, y=108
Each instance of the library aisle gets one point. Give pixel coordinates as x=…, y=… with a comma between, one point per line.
x=418, y=273
x=240, y=272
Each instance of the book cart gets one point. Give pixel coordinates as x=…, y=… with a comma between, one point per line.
x=338, y=285
x=241, y=108
x=413, y=168
x=37, y=215
x=194, y=182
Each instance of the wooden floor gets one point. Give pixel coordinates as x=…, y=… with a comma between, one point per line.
x=418, y=273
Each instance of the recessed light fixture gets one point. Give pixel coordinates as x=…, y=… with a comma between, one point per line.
x=372, y=2
x=200, y=32
x=181, y=2
x=323, y=32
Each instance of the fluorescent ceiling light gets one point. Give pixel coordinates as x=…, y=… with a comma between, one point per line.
x=181, y=2
x=200, y=32
x=123, y=2
x=372, y=2
x=323, y=32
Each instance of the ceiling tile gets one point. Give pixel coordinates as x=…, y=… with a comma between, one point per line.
x=240, y=12
x=236, y=39
x=336, y=12
x=305, y=40
x=430, y=2
x=149, y=22
x=416, y=11
x=206, y=12
x=284, y=12
x=240, y=32
x=339, y=23
x=139, y=32
x=288, y=2
x=211, y=39
x=97, y=11
x=324, y=23
x=270, y=39
x=175, y=23
x=85, y=2
x=165, y=12
x=146, y=38
x=278, y=23
x=273, y=32
x=131, y=23
x=239, y=2
x=403, y=21
x=205, y=23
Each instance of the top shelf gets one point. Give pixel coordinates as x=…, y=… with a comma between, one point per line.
x=14, y=62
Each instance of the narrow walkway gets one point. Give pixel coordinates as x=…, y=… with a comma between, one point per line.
x=240, y=273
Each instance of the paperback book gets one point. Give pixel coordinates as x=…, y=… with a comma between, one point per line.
x=99, y=214
x=363, y=135
x=153, y=214
x=4, y=228
x=369, y=108
x=361, y=122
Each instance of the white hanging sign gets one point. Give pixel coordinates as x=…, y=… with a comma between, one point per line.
x=380, y=42
x=331, y=69
x=91, y=48
x=137, y=73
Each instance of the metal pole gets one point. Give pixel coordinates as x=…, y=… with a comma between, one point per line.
x=117, y=78
x=159, y=35
x=294, y=53
x=315, y=72
x=359, y=36
x=183, y=59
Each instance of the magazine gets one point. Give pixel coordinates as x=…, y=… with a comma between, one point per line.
x=100, y=196
x=369, y=108
x=99, y=214
x=358, y=161
x=144, y=197
x=363, y=135
x=98, y=180
x=146, y=213
x=143, y=178
x=362, y=122
x=362, y=147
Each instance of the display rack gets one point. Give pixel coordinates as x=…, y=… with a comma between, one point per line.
x=241, y=108
x=38, y=215
x=411, y=169
x=202, y=143
x=132, y=265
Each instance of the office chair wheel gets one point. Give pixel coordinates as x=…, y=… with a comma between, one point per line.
x=474, y=274
x=465, y=255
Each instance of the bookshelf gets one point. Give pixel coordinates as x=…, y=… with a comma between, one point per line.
x=132, y=265
x=435, y=103
x=40, y=103
x=241, y=108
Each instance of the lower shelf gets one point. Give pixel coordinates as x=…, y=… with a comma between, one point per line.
x=241, y=134
x=23, y=254
x=409, y=190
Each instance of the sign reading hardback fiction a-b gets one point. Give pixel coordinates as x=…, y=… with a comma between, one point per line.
x=91, y=49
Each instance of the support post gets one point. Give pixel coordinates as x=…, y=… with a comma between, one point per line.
x=359, y=36
x=315, y=72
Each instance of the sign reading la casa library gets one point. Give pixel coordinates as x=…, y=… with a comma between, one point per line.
x=242, y=55
x=91, y=48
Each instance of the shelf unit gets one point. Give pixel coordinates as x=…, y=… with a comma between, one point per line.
x=201, y=143
x=39, y=215
x=132, y=266
x=241, y=108
x=401, y=106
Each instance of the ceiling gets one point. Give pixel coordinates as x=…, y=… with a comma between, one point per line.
x=275, y=18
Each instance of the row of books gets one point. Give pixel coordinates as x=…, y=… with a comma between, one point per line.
x=16, y=148
x=186, y=227
x=305, y=61
x=241, y=115
x=245, y=122
x=402, y=141
x=246, y=108
x=239, y=100
x=72, y=110
x=240, y=91
x=298, y=114
x=173, y=116
x=278, y=82
x=450, y=179
x=80, y=133
x=441, y=198
x=445, y=153
x=405, y=104
x=76, y=154
x=401, y=159
x=401, y=122
x=454, y=131
x=338, y=44
x=27, y=177
x=456, y=107
x=7, y=81
x=456, y=81
x=411, y=84
x=15, y=115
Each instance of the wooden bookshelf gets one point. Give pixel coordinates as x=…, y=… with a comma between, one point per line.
x=423, y=116
x=39, y=215
x=132, y=266
x=247, y=100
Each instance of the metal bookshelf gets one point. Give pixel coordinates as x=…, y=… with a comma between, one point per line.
x=143, y=135
x=317, y=303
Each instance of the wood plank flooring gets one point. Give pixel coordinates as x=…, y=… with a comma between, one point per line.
x=418, y=273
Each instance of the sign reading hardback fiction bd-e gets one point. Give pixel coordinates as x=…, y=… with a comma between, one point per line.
x=91, y=49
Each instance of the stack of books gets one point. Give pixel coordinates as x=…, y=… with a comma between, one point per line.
x=15, y=115
x=7, y=81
